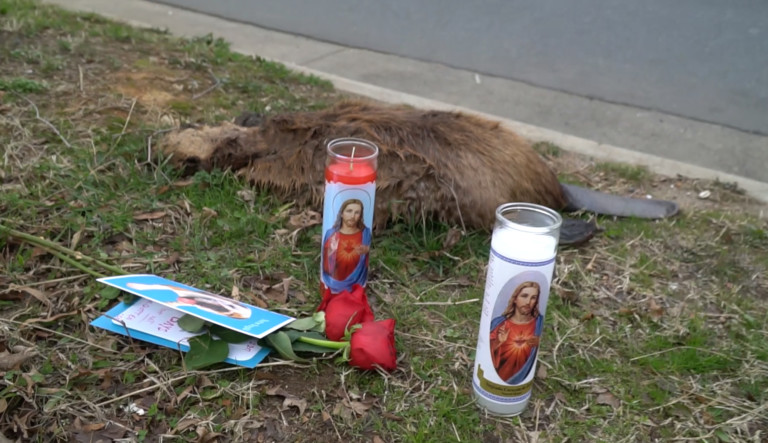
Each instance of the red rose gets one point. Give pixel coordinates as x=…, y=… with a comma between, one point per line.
x=373, y=344
x=327, y=296
x=344, y=310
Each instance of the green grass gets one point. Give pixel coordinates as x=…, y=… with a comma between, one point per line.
x=630, y=173
x=21, y=86
x=668, y=318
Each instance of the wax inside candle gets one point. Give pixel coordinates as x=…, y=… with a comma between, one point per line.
x=523, y=246
x=350, y=173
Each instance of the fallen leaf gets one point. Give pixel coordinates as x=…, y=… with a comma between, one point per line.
x=588, y=316
x=279, y=293
x=185, y=424
x=277, y=390
x=183, y=183
x=257, y=301
x=606, y=398
x=359, y=408
x=172, y=259
x=568, y=296
x=296, y=402
x=208, y=437
x=377, y=439
x=36, y=293
x=343, y=411
x=30, y=384
x=299, y=296
x=9, y=361
x=93, y=427
x=91, y=437
x=246, y=195
x=184, y=394
x=541, y=372
x=304, y=219
x=150, y=215
x=106, y=382
x=3, y=405
x=49, y=319
x=451, y=238
x=654, y=308
x=326, y=416
x=209, y=213
x=76, y=239
x=391, y=416
x=38, y=251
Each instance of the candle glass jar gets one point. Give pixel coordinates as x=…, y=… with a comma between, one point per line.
x=520, y=268
x=350, y=190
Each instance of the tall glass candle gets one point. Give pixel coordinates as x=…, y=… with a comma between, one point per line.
x=350, y=189
x=520, y=267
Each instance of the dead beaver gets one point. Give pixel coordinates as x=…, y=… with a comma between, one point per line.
x=451, y=166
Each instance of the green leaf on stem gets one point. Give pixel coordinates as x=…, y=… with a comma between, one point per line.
x=129, y=298
x=109, y=293
x=294, y=335
x=229, y=335
x=281, y=342
x=205, y=351
x=314, y=323
x=190, y=323
x=300, y=346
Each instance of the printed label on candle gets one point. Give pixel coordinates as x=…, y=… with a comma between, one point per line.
x=514, y=304
x=347, y=221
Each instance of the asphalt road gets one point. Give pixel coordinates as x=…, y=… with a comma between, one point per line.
x=680, y=89
x=705, y=60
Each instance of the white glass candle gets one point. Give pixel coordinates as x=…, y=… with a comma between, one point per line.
x=520, y=267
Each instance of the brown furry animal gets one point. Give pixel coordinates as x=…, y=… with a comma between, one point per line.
x=450, y=166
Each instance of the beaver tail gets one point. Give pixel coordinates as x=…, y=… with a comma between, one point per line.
x=582, y=199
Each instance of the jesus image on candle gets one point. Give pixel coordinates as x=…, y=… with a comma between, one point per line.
x=345, y=249
x=515, y=334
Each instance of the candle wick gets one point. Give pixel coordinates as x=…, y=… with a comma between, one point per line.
x=352, y=158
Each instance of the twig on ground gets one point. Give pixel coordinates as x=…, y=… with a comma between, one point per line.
x=46, y=122
x=216, y=84
x=446, y=303
x=125, y=126
x=149, y=141
x=64, y=253
x=677, y=348
x=80, y=74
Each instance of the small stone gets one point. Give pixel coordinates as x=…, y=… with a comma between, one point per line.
x=704, y=194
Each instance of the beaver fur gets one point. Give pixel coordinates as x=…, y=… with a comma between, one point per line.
x=450, y=166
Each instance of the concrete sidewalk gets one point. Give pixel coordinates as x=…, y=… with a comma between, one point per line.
x=665, y=144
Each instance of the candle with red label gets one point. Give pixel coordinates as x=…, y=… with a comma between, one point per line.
x=350, y=189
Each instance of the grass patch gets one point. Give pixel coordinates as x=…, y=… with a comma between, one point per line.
x=630, y=173
x=654, y=330
x=21, y=86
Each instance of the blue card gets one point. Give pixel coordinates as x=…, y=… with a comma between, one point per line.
x=155, y=323
x=214, y=308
